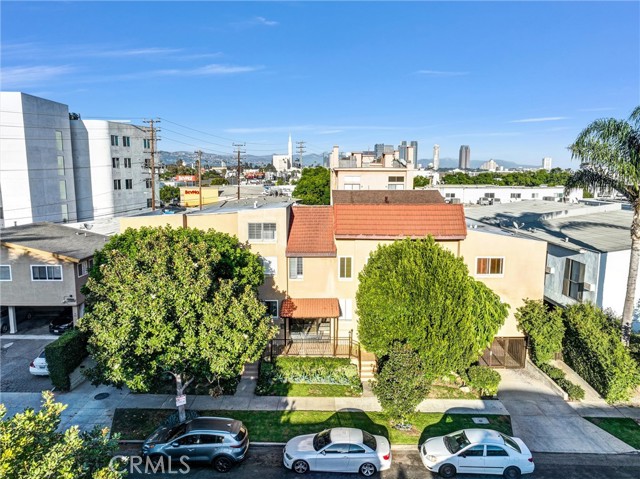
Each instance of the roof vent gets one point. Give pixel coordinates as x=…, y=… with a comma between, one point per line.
x=386, y=199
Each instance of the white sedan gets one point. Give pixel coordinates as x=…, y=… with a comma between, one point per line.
x=38, y=366
x=477, y=451
x=341, y=449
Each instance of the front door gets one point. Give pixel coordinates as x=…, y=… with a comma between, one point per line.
x=471, y=460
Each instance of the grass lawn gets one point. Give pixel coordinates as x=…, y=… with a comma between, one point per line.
x=311, y=390
x=444, y=391
x=280, y=426
x=623, y=428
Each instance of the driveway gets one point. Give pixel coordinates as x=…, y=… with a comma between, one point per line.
x=15, y=356
x=546, y=423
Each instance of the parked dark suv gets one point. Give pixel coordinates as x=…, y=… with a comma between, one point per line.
x=219, y=441
x=61, y=324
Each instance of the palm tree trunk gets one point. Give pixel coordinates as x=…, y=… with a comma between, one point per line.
x=629, y=302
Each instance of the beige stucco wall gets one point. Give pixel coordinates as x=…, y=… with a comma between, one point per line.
x=136, y=222
x=524, y=269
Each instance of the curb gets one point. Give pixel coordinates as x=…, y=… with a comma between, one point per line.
x=397, y=447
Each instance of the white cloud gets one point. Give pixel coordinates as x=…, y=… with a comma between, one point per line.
x=440, y=73
x=135, y=52
x=264, y=21
x=22, y=76
x=541, y=119
x=213, y=69
x=255, y=22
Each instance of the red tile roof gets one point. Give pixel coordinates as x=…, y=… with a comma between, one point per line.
x=311, y=232
x=308, y=308
x=390, y=221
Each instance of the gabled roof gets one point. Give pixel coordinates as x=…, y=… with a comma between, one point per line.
x=378, y=197
x=60, y=241
x=311, y=232
x=391, y=221
x=309, y=308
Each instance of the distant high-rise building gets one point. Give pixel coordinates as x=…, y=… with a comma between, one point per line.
x=436, y=157
x=380, y=149
x=464, y=159
x=405, y=147
x=546, y=163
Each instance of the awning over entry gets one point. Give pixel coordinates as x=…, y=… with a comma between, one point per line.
x=309, y=308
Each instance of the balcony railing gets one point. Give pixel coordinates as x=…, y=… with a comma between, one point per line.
x=330, y=347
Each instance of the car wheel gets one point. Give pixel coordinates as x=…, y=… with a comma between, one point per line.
x=300, y=466
x=222, y=464
x=447, y=470
x=5, y=328
x=512, y=473
x=367, y=469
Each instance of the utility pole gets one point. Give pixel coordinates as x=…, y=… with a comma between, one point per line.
x=153, y=161
x=301, y=150
x=239, y=146
x=199, y=153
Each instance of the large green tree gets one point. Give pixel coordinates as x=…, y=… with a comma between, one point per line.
x=169, y=193
x=417, y=293
x=31, y=447
x=178, y=301
x=609, y=150
x=313, y=186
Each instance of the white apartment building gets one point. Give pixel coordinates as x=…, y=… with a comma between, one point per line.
x=112, y=163
x=485, y=194
x=36, y=165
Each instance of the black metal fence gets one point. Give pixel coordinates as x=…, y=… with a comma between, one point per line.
x=510, y=353
x=331, y=347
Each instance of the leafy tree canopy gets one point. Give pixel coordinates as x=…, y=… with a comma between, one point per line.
x=313, y=186
x=181, y=301
x=545, y=329
x=169, y=193
x=554, y=177
x=417, y=293
x=31, y=447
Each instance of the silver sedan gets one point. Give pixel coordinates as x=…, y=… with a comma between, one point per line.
x=341, y=449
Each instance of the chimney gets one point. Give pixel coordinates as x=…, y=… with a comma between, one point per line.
x=386, y=199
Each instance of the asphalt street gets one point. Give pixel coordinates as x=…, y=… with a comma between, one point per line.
x=15, y=356
x=266, y=463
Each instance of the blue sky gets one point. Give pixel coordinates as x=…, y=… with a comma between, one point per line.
x=514, y=80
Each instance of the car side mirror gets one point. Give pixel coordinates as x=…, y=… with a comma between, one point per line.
x=324, y=453
x=462, y=454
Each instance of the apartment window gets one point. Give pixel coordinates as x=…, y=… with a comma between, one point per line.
x=146, y=143
x=272, y=307
x=59, y=143
x=395, y=187
x=490, y=195
x=148, y=202
x=128, y=184
x=573, y=279
x=345, y=267
x=5, y=272
x=262, y=231
x=63, y=189
x=117, y=185
x=489, y=266
x=46, y=273
x=270, y=265
x=126, y=141
x=147, y=182
x=64, y=210
x=449, y=195
x=61, y=165
x=127, y=162
x=534, y=196
x=115, y=162
x=354, y=186
x=295, y=268
x=147, y=162
x=516, y=196
x=346, y=309
x=396, y=179
x=84, y=267
x=114, y=140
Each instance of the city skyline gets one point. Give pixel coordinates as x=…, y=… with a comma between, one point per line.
x=518, y=86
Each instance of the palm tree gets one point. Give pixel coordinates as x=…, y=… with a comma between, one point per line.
x=610, y=153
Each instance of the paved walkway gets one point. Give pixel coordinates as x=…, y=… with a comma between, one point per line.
x=546, y=423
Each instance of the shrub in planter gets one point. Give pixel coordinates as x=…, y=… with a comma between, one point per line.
x=484, y=379
x=287, y=369
x=64, y=355
x=545, y=329
x=574, y=391
x=552, y=371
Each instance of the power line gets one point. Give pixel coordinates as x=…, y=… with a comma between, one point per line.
x=152, y=122
x=239, y=151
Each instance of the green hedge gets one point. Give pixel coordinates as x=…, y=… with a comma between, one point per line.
x=592, y=347
x=287, y=369
x=574, y=391
x=552, y=371
x=64, y=355
x=484, y=379
x=544, y=328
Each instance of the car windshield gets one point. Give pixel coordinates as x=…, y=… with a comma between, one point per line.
x=369, y=440
x=456, y=441
x=175, y=432
x=322, y=439
x=511, y=443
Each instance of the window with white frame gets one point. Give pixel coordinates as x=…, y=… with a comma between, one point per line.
x=128, y=184
x=127, y=162
x=573, y=279
x=64, y=210
x=46, y=273
x=126, y=141
x=516, y=196
x=270, y=265
x=147, y=182
x=61, y=165
x=5, y=272
x=489, y=266
x=272, y=307
x=534, y=196
x=117, y=185
x=449, y=195
x=353, y=186
x=146, y=143
x=295, y=268
x=490, y=195
x=262, y=231
x=63, y=189
x=59, y=142
x=115, y=162
x=114, y=140
x=84, y=267
x=346, y=309
x=345, y=267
